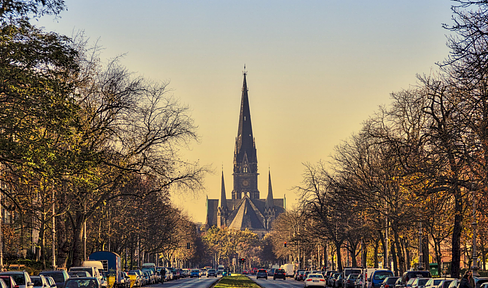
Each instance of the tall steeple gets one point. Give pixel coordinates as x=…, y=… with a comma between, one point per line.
x=269, y=199
x=222, y=210
x=245, y=146
x=245, y=159
x=223, y=199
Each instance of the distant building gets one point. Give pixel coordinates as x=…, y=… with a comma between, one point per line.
x=245, y=209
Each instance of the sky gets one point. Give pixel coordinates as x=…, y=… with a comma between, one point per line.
x=316, y=70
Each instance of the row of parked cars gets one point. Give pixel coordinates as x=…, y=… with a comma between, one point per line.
x=382, y=278
x=76, y=277
x=47, y=279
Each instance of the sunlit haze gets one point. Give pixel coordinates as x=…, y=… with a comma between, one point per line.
x=316, y=70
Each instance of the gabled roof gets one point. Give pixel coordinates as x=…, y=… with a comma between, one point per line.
x=247, y=215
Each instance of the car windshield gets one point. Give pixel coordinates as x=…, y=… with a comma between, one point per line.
x=382, y=275
x=58, y=277
x=81, y=283
x=37, y=281
x=18, y=278
x=314, y=276
x=353, y=276
x=7, y=281
x=422, y=281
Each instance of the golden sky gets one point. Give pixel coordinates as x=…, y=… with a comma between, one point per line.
x=316, y=70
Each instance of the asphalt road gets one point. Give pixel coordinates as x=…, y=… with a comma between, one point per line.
x=204, y=282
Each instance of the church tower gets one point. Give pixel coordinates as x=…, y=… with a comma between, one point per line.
x=245, y=159
x=269, y=207
x=244, y=209
x=222, y=211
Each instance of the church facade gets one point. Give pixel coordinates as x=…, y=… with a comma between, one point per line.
x=245, y=209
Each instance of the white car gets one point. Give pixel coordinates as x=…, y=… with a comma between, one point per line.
x=314, y=279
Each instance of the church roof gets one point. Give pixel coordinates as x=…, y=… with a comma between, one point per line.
x=247, y=215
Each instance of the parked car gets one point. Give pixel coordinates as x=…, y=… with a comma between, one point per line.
x=85, y=282
x=40, y=281
x=314, y=279
x=328, y=274
x=51, y=282
x=59, y=276
x=359, y=282
x=419, y=282
x=300, y=275
x=9, y=281
x=445, y=282
x=454, y=283
x=349, y=270
x=262, y=273
x=279, y=273
x=350, y=280
x=332, y=279
x=136, y=277
x=433, y=282
x=79, y=274
x=377, y=277
x=389, y=282
x=415, y=274
x=22, y=278
x=339, y=281
x=479, y=280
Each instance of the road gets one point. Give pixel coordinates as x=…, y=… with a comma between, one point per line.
x=202, y=282
x=278, y=283
x=205, y=282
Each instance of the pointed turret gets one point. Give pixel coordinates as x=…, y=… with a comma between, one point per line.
x=269, y=199
x=223, y=199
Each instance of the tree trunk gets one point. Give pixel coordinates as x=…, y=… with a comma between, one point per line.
x=456, y=235
x=326, y=260
x=401, y=257
x=364, y=254
x=77, y=247
x=375, y=256
x=338, y=245
x=394, y=256
x=426, y=251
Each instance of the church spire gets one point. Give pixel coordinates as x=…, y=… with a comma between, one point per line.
x=269, y=199
x=223, y=199
x=245, y=146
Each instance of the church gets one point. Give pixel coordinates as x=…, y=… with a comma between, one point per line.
x=245, y=209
